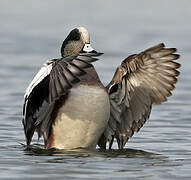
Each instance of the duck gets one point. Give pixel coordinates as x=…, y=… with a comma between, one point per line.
x=67, y=104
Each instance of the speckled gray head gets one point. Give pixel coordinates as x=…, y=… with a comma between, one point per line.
x=77, y=41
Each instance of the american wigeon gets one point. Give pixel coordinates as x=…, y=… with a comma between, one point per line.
x=67, y=104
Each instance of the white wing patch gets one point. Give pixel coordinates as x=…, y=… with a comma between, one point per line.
x=43, y=72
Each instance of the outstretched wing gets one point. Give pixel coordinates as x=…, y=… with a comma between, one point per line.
x=51, y=82
x=140, y=81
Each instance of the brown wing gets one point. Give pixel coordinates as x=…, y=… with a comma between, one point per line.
x=140, y=81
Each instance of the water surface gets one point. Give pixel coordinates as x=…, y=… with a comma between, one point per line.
x=32, y=32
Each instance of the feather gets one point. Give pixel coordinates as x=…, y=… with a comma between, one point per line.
x=141, y=80
x=50, y=84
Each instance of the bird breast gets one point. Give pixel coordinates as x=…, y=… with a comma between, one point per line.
x=82, y=119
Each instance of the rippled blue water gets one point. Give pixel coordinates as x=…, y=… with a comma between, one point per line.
x=32, y=32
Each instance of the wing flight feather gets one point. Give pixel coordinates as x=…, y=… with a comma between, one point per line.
x=139, y=82
x=52, y=82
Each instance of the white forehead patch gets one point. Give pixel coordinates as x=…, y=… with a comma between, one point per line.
x=84, y=34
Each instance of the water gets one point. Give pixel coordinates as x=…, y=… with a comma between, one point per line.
x=32, y=32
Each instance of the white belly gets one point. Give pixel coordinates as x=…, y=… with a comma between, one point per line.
x=83, y=118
